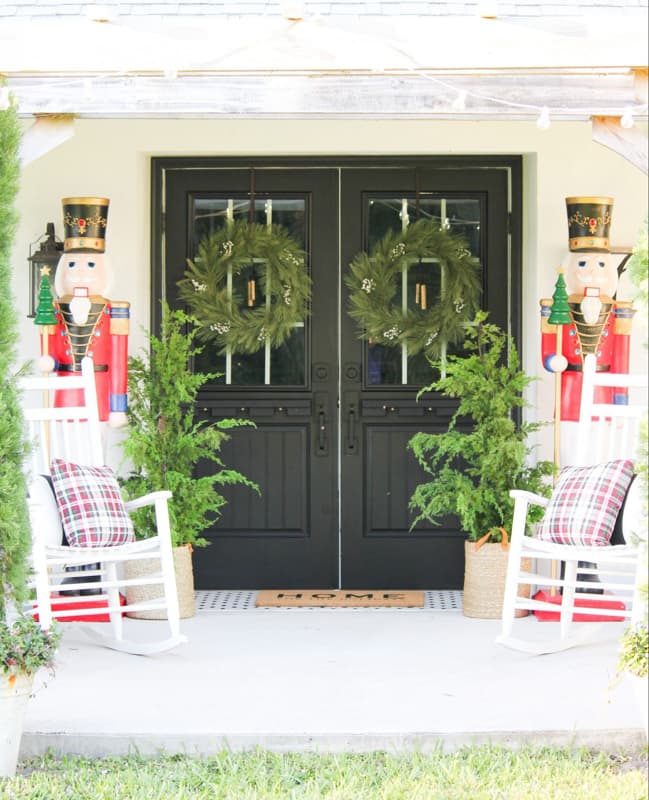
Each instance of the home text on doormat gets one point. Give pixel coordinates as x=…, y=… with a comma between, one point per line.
x=340, y=598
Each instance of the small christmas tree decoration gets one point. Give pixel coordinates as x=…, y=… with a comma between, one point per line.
x=45, y=311
x=45, y=317
x=559, y=316
x=560, y=313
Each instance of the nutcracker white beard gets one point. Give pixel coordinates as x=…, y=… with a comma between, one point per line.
x=80, y=307
x=591, y=307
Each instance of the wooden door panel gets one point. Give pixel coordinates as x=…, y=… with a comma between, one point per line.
x=275, y=457
x=391, y=475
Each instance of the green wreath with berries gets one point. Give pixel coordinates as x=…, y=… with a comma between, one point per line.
x=279, y=294
x=374, y=281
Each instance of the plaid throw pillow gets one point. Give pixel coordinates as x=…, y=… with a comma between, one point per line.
x=91, y=506
x=585, y=504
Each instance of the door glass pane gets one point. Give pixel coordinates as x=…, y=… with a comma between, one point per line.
x=392, y=366
x=278, y=366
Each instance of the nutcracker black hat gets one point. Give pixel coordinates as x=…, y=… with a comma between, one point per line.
x=589, y=223
x=84, y=224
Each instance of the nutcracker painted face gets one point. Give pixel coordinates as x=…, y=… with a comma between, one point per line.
x=89, y=271
x=592, y=270
x=79, y=276
x=593, y=277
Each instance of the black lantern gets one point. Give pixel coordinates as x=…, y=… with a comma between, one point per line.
x=47, y=255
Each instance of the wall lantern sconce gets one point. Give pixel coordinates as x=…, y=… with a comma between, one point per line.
x=47, y=255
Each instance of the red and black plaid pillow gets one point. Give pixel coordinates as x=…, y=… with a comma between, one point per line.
x=585, y=504
x=91, y=505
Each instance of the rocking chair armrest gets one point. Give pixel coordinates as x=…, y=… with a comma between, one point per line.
x=529, y=497
x=147, y=500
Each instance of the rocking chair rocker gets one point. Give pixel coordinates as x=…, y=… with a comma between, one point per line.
x=594, y=571
x=66, y=444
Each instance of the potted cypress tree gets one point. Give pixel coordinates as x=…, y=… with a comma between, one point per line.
x=164, y=444
x=482, y=456
x=24, y=646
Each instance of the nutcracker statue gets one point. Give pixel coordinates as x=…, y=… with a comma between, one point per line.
x=87, y=322
x=596, y=322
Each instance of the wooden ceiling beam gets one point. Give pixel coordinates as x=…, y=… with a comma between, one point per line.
x=630, y=143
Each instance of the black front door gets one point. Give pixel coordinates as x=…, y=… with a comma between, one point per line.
x=333, y=414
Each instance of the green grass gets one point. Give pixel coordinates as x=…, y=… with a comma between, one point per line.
x=475, y=773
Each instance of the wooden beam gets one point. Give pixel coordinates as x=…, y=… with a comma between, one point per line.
x=630, y=143
x=47, y=132
x=640, y=85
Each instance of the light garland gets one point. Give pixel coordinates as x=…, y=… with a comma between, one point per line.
x=627, y=118
x=543, y=121
x=306, y=30
x=174, y=86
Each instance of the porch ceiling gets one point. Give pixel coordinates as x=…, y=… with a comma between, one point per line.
x=364, y=65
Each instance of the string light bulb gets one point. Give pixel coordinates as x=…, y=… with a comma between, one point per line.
x=543, y=122
x=292, y=11
x=488, y=9
x=626, y=120
x=100, y=13
x=459, y=104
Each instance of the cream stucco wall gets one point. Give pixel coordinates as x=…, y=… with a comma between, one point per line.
x=111, y=158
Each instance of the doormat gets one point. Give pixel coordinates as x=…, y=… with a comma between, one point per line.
x=339, y=598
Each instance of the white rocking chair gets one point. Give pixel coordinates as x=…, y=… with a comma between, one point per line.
x=74, y=435
x=591, y=574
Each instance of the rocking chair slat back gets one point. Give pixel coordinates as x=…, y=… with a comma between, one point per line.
x=593, y=583
x=74, y=434
x=609, y=431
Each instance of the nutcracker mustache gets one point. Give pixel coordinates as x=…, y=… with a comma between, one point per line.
x=589, y=280
x=80, y=305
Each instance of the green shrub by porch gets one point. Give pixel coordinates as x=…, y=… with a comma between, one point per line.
x=15, y=534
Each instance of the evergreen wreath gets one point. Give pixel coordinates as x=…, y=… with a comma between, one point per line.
x=283, y=278
x=374, y=279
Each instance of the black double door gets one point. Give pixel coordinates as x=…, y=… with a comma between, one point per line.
x=333, y=414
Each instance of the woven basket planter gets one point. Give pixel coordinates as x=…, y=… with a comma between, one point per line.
x=13, y=704
x=184, y=584
x=484, y=580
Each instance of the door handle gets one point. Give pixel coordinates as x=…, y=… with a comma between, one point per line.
x=350, y=445
x=322, y=431
x=351, y=438
x=322, y=421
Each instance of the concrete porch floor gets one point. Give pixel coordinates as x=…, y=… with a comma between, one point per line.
x=330, y=680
